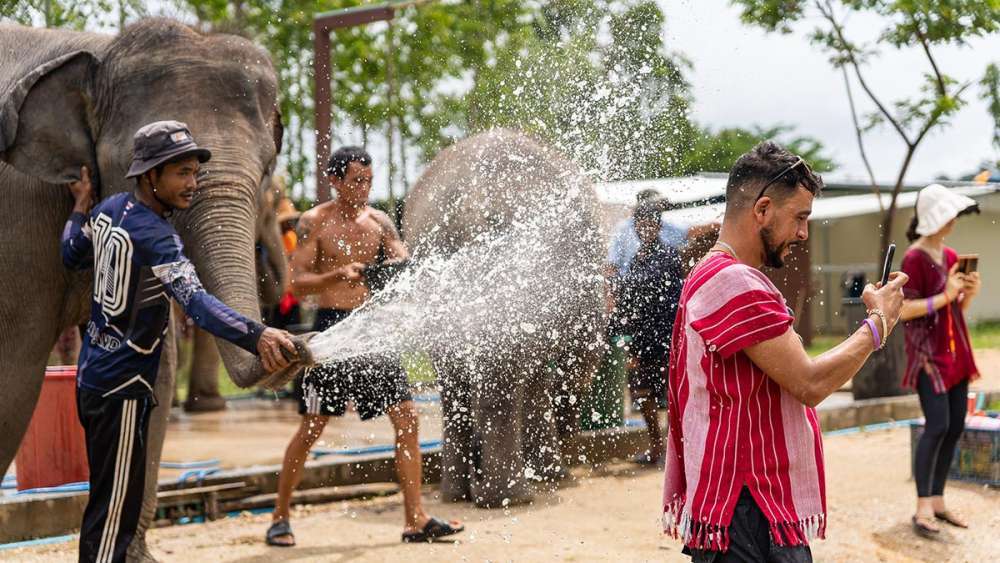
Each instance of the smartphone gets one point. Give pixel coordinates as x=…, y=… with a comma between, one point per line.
x=887, y=263
x=968, y=263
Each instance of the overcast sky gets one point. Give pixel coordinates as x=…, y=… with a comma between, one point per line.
x=743, y=76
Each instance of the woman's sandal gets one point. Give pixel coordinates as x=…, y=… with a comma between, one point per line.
x=278, y=529
x=922, y=529
x=950, y=518
x=434, y=528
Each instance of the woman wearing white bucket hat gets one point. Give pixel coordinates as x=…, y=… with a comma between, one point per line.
x=939, y=355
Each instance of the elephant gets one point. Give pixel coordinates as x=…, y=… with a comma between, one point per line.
x=272, y=278
x=72, y=98
x=510, y=404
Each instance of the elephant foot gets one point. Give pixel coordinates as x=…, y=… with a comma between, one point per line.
x=138, y=552
x=500, y=492
x=493, y=499
x=455, y=489
x=204, y=403
x=455, y=496
x=550, y=475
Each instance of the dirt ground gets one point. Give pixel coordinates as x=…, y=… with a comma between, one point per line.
x=608, y=514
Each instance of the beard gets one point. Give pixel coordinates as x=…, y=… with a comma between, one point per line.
x=773, y=250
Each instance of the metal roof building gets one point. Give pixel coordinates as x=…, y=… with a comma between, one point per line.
x=844, y=237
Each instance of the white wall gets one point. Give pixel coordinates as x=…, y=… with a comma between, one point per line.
x=855, y=241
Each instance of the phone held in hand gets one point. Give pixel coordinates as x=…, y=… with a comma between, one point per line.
x=887, y=263
x=968, y=263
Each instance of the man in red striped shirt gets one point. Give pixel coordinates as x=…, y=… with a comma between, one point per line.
x=744, y=468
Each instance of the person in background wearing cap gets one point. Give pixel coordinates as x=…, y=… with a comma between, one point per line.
x=138, y=262
x=647, y=296
x=625, y=242
x=938, y=351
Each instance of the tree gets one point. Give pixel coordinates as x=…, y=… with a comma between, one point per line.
x=618, y=104
x=991, y=93
x=911, y=24
x=385, y=79
x=716, y=152
x=72, y=14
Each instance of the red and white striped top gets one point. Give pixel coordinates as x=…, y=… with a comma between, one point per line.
x=730, y=425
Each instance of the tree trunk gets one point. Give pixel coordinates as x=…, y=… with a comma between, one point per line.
x=890, y=214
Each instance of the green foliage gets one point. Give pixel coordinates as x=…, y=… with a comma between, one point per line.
x=985, y=334
x=920, y=24
x=618, y=105
x=594, y=77
x=909, y=24
x=72, y=14
x=427, y=46
x=991, y=93
x=716, y=152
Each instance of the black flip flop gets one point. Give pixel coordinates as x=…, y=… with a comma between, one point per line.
x=948, y=517
x=280, y=528
x=434, y=528
x=922, y=529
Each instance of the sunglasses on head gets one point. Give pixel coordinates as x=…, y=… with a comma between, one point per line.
x=781, y=174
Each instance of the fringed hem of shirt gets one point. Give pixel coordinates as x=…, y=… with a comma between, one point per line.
x=678, y=524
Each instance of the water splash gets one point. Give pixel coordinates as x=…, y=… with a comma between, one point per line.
x=513, y=286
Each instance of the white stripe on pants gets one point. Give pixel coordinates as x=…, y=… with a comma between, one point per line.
x=123, y=462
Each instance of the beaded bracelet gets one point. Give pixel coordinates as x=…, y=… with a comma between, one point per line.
x=875, y=337
x=885, y=325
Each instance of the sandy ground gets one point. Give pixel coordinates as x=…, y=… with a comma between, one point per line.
x=607, y=514
x=604, y=514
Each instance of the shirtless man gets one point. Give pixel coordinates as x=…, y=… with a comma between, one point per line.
x=337, y=241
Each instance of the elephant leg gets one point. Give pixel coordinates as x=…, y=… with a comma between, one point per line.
x=28, y=331
x=498, y=478
x=543, y=462
x=571, y=381
x=203, y=382
x=21, y=380
x=456, y=450
x=163, y=391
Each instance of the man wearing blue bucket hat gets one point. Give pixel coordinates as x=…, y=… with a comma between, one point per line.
x=139, y=263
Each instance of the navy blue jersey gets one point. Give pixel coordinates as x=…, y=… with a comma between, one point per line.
x=138, y=263
x=648, y=295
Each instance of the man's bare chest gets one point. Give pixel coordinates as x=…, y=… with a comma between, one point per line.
x=349, y=242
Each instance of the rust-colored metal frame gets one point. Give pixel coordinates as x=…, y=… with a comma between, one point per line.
x=323, y=24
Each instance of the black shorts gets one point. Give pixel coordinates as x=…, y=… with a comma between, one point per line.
x=750, y=540
x=373, y=384
x=648, y=376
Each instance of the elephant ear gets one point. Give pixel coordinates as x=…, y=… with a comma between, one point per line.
x=44, y=120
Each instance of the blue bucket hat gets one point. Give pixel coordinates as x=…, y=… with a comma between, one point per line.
x=160, y=142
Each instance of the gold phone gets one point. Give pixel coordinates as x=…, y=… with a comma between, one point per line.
x=968, y=263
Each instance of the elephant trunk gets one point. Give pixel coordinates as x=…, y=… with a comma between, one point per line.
x=219, y=230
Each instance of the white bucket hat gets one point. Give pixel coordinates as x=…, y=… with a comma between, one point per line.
x=937, y=205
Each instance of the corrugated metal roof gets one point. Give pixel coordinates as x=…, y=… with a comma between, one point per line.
x=680, y=190
x=702, y=188
x=711, y=187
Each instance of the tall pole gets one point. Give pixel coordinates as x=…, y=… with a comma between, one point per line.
x=322, y=102
x=390, y=78
x=323, y=24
